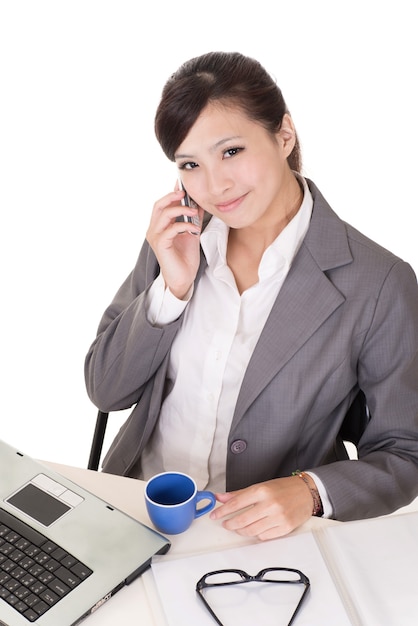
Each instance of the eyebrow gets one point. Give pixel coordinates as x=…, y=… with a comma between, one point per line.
x=217, y=145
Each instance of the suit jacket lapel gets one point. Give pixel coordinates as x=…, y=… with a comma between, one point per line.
x=306, y=299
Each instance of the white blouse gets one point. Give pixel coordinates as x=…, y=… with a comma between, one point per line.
x=211, y=351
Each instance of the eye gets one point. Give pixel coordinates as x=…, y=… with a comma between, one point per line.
x=232, y=152
x=190, y=165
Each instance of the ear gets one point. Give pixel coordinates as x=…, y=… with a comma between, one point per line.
x=287, y=134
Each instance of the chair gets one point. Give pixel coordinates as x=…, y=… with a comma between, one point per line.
x=356, y=420
x=97, y=442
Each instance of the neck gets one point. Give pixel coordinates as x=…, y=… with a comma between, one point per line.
x=266, y=230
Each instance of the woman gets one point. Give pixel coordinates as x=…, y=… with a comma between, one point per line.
x=243, y=341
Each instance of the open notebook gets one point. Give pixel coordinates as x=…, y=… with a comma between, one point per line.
x=63, y=551
x=361, y=573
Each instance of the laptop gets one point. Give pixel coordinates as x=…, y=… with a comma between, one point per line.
x=63, y=550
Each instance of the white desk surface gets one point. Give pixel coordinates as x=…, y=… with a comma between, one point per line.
x=139, y=603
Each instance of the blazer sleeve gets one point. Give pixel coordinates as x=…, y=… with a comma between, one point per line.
x=127, y=350
x=385, y=476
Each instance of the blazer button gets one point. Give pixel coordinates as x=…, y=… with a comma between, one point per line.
x=238, y=446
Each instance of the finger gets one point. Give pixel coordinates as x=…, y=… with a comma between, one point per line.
x=262, y=528
x=233, y=502
x=280, y=530
x=171, y=199
x=224, y=497
x=171, y=219
x=266, y=532
x=244, y=519
x=243, y=498
x=173, y=196
x=258, y=521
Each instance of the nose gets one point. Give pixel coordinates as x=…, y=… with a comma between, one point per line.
x=217, y=181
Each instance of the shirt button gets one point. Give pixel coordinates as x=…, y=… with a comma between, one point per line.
x=238, y=446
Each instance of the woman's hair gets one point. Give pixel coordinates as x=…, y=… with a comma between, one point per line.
x=226, y=77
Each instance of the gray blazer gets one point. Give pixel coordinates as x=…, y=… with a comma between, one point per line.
x=345, y=319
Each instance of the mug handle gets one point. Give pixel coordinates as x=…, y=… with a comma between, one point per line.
x=204, y=495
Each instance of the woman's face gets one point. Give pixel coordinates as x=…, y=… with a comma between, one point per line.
x=234, y=169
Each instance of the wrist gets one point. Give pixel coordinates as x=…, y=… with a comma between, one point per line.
x=317, y=508
x=183, y=294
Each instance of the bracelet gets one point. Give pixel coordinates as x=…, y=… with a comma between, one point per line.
x=318, y=510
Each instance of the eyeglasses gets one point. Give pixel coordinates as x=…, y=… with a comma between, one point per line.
x=277, y=575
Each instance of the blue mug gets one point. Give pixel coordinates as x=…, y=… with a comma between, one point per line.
x=172, y=498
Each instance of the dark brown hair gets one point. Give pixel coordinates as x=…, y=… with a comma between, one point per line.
x=227, y=77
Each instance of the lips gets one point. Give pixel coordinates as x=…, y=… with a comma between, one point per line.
x=230, y=205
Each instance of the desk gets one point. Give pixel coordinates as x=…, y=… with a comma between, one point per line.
x=139, y=602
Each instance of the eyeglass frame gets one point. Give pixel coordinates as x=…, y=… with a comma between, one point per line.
x=246, y=578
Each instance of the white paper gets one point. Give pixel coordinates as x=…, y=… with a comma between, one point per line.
x=176, y=583
x=377, y=560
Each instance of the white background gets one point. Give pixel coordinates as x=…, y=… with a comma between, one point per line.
x=80, y=168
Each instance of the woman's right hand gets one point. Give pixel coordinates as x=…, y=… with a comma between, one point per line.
x=175, y=244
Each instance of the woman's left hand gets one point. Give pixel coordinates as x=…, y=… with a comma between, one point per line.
x=266, y=510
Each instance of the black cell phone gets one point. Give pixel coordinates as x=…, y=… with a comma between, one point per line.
x=187, y=201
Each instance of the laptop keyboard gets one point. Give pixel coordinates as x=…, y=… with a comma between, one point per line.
x=35, y=573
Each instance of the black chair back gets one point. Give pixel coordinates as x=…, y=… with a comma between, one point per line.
x=98, y=438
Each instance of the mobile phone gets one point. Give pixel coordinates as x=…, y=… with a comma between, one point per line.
x=187, y=201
